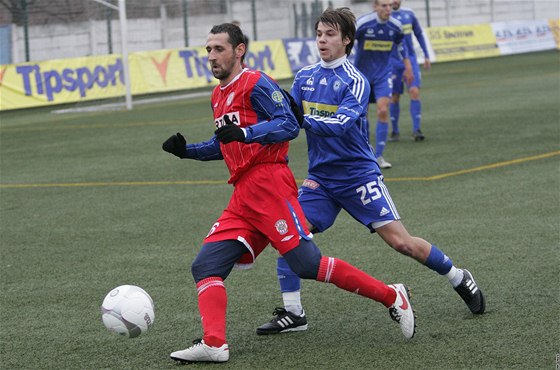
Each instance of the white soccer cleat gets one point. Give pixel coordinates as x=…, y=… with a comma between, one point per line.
x=401, y=311
x=201, y=352
x=383, y=163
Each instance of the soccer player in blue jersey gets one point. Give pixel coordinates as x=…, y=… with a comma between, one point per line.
x=410, y=25
x=378, y=38
x=343, y=171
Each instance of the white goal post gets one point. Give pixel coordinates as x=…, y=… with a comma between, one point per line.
x=124, y=41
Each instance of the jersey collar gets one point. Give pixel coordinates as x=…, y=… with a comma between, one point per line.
x=235, y=78
x=335, y=63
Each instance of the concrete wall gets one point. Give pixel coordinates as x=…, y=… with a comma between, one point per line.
x=276, y=19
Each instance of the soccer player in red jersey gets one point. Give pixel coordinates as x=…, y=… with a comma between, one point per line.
x=254, y=122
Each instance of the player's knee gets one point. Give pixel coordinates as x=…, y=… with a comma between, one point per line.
x=403, y=246
x=304, y=260
x=414, y=93
x=216, y=259
x=200, y=269
x=383, y=112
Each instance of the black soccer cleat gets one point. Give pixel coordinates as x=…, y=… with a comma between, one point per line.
x=471, y=294
x=418, y=135
x=395, y=136
x=283, y=322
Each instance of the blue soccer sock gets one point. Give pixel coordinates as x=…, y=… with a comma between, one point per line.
x=416, y=114
x=381, y=133
x=438, y=261
x=290, y=286
x=395, y=111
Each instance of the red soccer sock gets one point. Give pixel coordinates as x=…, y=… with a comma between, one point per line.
x=347, y=277
x=212, y=304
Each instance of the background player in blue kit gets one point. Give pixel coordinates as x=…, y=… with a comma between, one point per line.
x=343, y=171
x=410, y=25
x=378, y=38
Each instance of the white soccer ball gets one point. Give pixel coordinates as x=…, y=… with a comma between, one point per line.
x=128, y=310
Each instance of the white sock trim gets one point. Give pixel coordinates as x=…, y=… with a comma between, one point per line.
x=455, y=276
x=292, y=302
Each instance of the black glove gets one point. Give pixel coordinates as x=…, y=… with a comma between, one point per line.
x=176, y=145
x=229, y=132
x=295, y=108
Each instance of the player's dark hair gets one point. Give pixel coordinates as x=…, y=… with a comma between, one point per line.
x=343, y=20
x=235, y=35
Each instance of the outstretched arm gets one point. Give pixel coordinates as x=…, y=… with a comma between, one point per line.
x=203, y=151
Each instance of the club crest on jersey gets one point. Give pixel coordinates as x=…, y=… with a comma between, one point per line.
x=277, y=96
x=281, y=226
x=336, y=85
x=233, y=116
x=230, y=98
x=309, y=81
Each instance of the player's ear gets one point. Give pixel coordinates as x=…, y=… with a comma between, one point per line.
x=240, y=50
x=346, y=41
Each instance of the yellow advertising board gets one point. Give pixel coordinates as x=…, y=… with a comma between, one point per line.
x=554, y=25
x=60, y=81
x=180, y=69
x=463, y=42
x=169, y=70
x=81, y=79
x=269, y=57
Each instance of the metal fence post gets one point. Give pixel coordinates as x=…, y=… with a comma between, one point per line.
x=296, y=20
x=254, y=16
x=428, y=19
x=25, y=29
x=185, y=23
x=109, y=30
x=305, y=20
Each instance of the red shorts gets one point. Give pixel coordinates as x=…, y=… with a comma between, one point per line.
x=263, y=209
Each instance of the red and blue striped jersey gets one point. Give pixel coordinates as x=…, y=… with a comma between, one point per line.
x=255, y=102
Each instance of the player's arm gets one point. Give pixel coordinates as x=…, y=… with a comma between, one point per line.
x=349, y=110
x=419, y=34
x=203, y=151
x=277, y=122
x=402, y=50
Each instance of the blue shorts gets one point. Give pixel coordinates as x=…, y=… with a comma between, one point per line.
x=398, y=81
x=366, y=199
x=381, y=87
